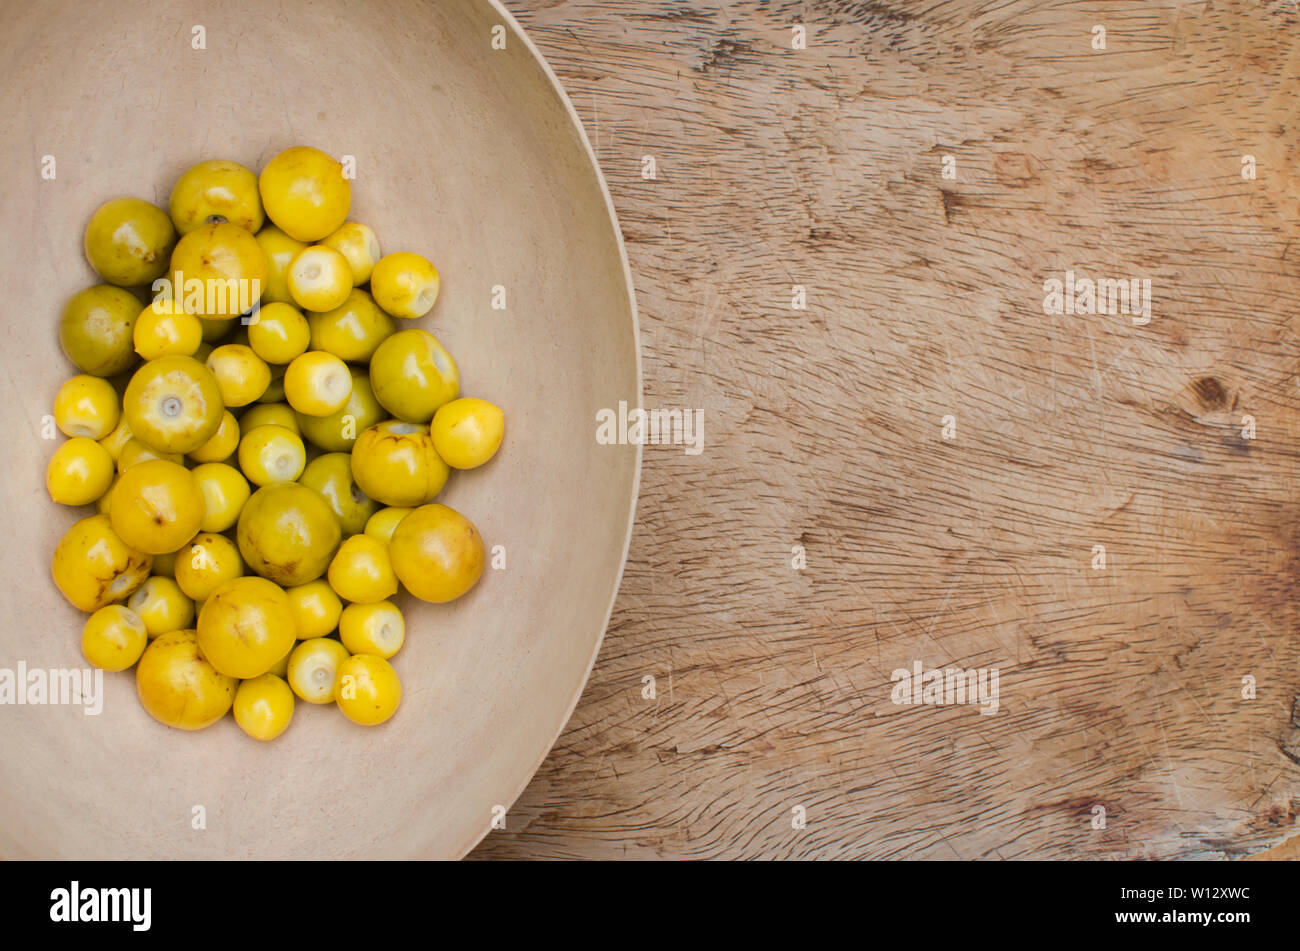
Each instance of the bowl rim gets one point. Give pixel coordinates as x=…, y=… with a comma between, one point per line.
x=518, y=32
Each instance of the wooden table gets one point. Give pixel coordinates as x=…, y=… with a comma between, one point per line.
x=946, y=455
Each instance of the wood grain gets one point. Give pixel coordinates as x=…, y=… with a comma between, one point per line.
x=1121, y=687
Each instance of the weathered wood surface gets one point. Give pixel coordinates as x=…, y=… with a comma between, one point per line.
x=1121, y=686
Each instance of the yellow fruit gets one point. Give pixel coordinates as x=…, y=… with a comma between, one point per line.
x=164, y=329
x=404, y=284
x=271, y=454
x=216, y=190
x=128, y=241
x=96, y=329
x=281, y=667
x=102, y=503
x=467, y=432
x=317, y=383
x=383, y=522
x=264, y=707
x=353, y=330
x=288, y=533
x=156, y=506
x=93, y=567
x=279, y=333
x=316, y=608
x=269, y=414
x=368, y=689
x=412, y=375
x=245, y=627
x=437, y=553
x=377, y=628
x=319, y=278
x=209, y=561
x=361, y=571
x=79, y=472
x=136, y=452
x=395, y=463
x=358, y=244
x=117, y=439
x=162, y=606
x=224, y=490
x=223, y=443
x=113, y=638
x=331, y=475
x=218, y=271
x=304, y=193
x=279, y=250
x=86, y=406
x=242, y=375
x=178, y=687
x=338, y=431
x=313, y=666
x=173, y=404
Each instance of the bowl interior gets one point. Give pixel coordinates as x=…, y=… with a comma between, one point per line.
x=465, y=153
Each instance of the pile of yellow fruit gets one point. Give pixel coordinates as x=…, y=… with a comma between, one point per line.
x=263, y=445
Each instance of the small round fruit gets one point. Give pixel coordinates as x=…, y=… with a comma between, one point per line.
x=246, y=626
x=437, y=553
x=87, y=406
x=382, y=524
x=361, y=572
x=156, y=506
x=208, y=562
x=79, y=472
x=113, y=638
x=315, y=607
x=269, y=414
x=223, y=443
x=280, y=250
x=102, y=503
x=242, y=375
x=304, y=193
x=288, y=533
x=319, y=278
x=467, y=432
x=178, y=687
x=358, y=244
x=225, y=491
x=115, y=441
x=162, y=606
x=372, y=628
x=279, y=333
x=272, y=454
x=313, y=668
x=368, y=689
x=338, y=431
x=96, y=327
x=136, y=452
x=163, y=329
x=404, y=284
x=317, y=383
x=264, y=707
x=129, y=242
x=412, y=375
x=213, y=191
x=221, y=271
x=173, y=404
x=395, y=463
x=353, y=330
x=331, y=475
x=93, y=567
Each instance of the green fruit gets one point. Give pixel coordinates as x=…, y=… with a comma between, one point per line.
x=338, y=431
x=412, y=375
x=353, y=330
x=129, y=242
x=96, y=329
x=331, y=476
x=288, y=533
